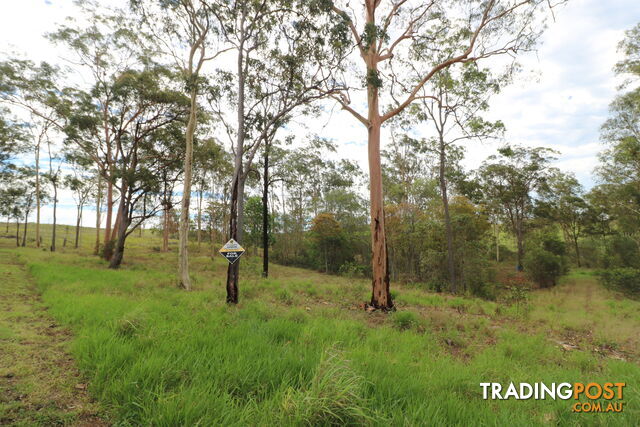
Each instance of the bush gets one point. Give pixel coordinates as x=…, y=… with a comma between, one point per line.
x=352, y=269
x=621, y=251
x=543, y=267
x=622, y=279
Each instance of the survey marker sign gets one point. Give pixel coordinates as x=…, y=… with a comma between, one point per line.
x=232, y=251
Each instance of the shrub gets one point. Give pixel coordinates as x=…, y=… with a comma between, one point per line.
x=623, y=279
x=352, y=269
x=543, y=267
x=621, y=251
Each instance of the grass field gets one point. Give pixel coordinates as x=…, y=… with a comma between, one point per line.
x=299, y=350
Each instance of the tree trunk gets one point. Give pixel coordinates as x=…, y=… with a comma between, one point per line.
x=17, y=231
x=96, y=248
x=107, y=226
x=165, y=228
x=265, y=213
x=78, y=221
x=497, y=234
x=24, y=233
x=520, y=243
x=380, y=295
x=199, y=233
x=237, y=191
x=577, y=248
x=38, y=195
x=233, y=271
x=55, y=208
x=447, y=217
x=183, y=253
x=118, y=250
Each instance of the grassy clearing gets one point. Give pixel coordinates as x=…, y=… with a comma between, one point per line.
x=39, y=384
x=299, y=350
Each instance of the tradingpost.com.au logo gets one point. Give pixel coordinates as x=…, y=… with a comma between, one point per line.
x=587, y=395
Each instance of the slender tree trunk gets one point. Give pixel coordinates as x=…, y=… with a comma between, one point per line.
x=17, y=231
x=496, y=228
x=96, y=248
x=109, y=209
x=237, y=191
x=78, y=221
x=233, y=270
x=447, y=217
x=108, y=172
x=55, y=209
x=265, y=213
x=24, y=233
x=199, y=217
x=577, y=249
x=38, y=195
x=165, y=228
x=7, y=228
x=183, y=252
x=520, y=244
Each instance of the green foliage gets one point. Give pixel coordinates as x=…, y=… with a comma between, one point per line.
x=373, y=79
x=543, y=267
x=622, y=279
x=329, y=242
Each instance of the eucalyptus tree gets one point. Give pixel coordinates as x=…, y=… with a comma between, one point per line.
x=81, y=182
x=510, y=179
x=184, y=30
x=562, y=201
x=12, y=198
x=26, y=176
x=386, y=40
x=286, y=53
x=452, y=102
x=104, y=42
x=619, y=168
x=12, y=141
x=35, y=89
x=148, y=116
x=54, y=177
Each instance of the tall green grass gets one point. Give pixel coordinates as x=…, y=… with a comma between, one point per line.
x=156, y=355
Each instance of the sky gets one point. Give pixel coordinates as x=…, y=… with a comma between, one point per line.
x=560, y=100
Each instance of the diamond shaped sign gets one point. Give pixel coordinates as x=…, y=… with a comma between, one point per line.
x=232, y=251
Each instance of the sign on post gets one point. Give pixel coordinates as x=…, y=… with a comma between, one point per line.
x=232, y=251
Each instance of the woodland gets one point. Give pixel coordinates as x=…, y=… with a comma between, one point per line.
x=179, y=125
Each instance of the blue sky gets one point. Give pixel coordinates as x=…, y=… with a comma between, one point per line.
x=560, y=101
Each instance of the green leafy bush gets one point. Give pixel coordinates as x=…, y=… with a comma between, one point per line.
x=623, y=279
x=543, y=267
